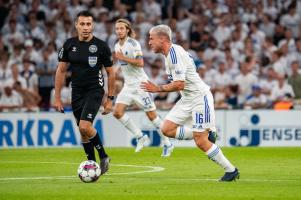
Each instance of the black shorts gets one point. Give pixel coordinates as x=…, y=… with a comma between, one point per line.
x=85, y=104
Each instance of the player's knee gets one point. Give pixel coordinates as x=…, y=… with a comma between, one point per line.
x=83, y=129
x=166, y=131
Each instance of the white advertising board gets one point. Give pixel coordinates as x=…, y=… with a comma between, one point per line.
x=263, y=128
x=235, y=128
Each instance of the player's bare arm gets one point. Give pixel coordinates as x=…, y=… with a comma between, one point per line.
x=138, y=62
x=108, y=104
x=59, y=82
x=173, y=86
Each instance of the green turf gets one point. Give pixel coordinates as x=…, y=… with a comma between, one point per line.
x=266, y=173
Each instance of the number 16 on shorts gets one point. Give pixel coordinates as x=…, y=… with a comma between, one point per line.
x=197, y=120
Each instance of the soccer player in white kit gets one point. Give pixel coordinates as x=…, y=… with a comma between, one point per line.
x=129, y=55
x=196, y=103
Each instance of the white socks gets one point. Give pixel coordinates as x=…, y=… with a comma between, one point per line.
x=216, y=154
x=157, y=123
x=130, y=126
x=184, y=133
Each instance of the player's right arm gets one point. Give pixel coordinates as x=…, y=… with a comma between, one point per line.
x=60, y=76
x=59, y=83
x=171, y=87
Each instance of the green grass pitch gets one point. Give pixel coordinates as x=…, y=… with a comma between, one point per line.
x=266, y=173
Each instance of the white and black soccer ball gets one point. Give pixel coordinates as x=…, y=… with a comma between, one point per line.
x=89, y=171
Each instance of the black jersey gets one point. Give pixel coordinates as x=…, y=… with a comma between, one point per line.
x=86, y=61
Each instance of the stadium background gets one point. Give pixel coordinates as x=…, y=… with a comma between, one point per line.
x=248, y=51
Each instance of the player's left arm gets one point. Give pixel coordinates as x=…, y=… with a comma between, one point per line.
x=108, y=104
x=107, y=62
x=111, y=80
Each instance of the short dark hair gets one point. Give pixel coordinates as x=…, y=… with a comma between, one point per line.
x=84, y=13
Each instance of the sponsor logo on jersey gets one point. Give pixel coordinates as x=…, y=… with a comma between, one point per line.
x=92, y=48
x=89, y=116
x=92, y=61
x=74, y=49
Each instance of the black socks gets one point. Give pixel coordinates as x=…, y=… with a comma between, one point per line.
x=89, y=150
x=96, y=142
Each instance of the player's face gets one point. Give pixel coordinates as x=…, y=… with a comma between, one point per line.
x=121, y=30
x=155, y=42
x=84, y=26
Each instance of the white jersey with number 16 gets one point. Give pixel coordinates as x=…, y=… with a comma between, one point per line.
x=180, y=67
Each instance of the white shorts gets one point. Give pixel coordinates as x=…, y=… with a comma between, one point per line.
x=198, y=112
x=130, y=95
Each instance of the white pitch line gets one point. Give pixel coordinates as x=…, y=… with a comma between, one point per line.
x=154, y=180
x=151, y=169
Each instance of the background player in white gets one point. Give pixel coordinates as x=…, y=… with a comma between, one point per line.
x=196, y=103
x=129, y=54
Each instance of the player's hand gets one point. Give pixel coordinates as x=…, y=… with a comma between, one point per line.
x=149, y=87
x=59, y=105
x=119, y=55
x=108, y=105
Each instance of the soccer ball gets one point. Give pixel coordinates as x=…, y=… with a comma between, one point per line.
x=89, y=171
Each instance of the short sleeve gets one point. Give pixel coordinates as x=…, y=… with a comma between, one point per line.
x=63, y=54
x=178, y=69
x=106, y=56
x=137, y=52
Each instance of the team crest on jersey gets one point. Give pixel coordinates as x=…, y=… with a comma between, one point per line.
x=92, y=61
x=92, y=48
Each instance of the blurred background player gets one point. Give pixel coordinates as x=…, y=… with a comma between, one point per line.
x=129, y=54
x=196, y=103
x=86, y=55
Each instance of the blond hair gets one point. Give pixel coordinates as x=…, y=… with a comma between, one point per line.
x=128, y=25
x=162, y=30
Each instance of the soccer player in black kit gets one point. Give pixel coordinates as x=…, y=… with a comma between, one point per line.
x=86, y=56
